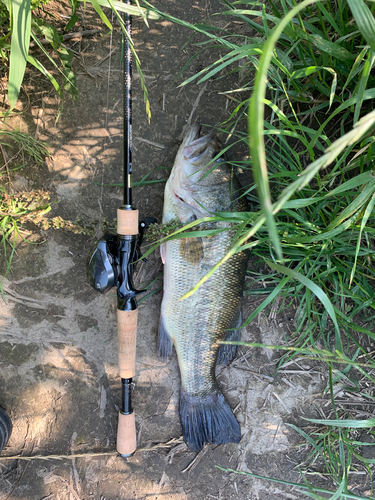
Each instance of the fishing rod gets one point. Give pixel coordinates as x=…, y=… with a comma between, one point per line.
x=127, y=307
x=112, y=261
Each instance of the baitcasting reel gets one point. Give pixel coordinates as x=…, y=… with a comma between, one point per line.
x=104, y=261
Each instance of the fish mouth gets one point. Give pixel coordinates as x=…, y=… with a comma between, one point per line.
x=196, y=145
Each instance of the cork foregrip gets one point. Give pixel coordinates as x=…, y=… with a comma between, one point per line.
x=126, y=436
x=127, y=222
x=127, y=338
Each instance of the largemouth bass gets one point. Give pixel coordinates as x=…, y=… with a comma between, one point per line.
x=196, y=324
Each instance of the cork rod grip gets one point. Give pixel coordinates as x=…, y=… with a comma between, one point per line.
x=127, y=222
x=126, y=436
x=127, y=339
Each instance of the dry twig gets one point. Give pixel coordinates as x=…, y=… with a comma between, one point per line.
x=113, y=453
x=70, y=36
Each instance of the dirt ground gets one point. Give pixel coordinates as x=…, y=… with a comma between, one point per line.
x=58, y=346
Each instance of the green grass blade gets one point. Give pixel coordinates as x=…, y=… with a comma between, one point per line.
x=360, y=128
x=350, y=424
x=368, y=212
x=142, y=13
x=363, y=83
x=21, y=30
x=340, y=489
x=355, y=68
x=224, y=61
x=49, y=32
x=322, y=296
x=13, y=245
x=318, y=42
x=328, y=17
x=256, y=119
x=101, y=14
x=368, y=94
x=268, y=300
x=354, y=206
x=132, y=9
x=352, y=184
x=344, y=495
x=38, y=65
x=196, y=28
x=365, y=20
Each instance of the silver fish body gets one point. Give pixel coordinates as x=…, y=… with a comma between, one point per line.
x=196, y=324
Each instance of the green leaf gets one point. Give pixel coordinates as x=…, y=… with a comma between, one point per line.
x=333, y=49
x=328, y=16
x=21, y=30
x=256, y=119
x=322, y=296
x=355, y=68
x=48, y=31
x=351, y=424
x=70, y=83
x=313, y=69
x=367, y=214
x=66, y=56
x=132, y=9
x=303, y=202
x=363, y=84
x=232, y=56
x=101, y=14
x=74, y=18
x=72, y=21
x=31, y=59
x=358, y=180
x=344, y=495
x=368, y=94
x=365, y=20
x=354, y=206
x=275, y=293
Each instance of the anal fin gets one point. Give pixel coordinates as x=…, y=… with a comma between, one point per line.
x=228, y=352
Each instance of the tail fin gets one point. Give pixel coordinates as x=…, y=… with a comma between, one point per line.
x=207, y=419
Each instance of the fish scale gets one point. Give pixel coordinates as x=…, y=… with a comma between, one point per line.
x=196, y=188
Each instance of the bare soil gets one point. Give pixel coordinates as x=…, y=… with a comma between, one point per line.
x=58, y=346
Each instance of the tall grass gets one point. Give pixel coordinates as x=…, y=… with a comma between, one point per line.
x=24, y=25
x=306, y=90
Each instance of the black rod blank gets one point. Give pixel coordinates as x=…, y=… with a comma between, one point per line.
x=127, y=114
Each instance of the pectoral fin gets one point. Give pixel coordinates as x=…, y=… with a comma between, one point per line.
x=163, y=252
